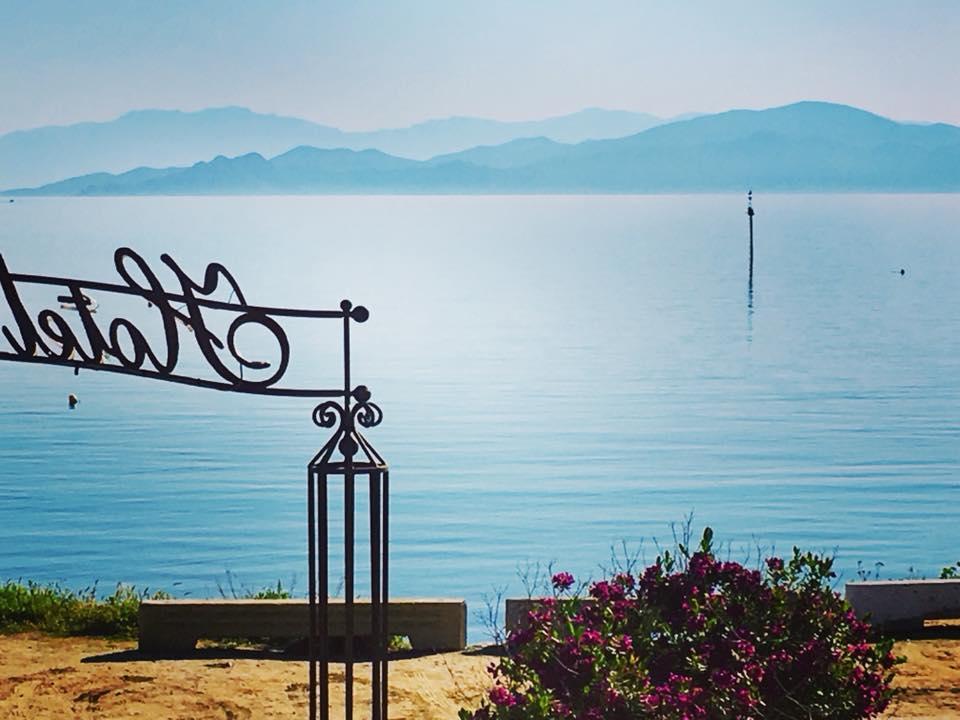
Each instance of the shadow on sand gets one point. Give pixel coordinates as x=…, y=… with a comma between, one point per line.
x=296, y=652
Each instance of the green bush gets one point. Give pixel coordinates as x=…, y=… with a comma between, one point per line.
x=271, y=593
x=57, y=610
x=694, y=638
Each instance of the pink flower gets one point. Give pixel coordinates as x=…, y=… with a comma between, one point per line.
x=499, y=695
x=562, y=581
x=591, y=637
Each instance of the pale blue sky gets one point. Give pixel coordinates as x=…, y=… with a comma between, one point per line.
x=362, y=64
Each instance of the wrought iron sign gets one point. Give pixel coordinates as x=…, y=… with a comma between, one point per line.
x=120, y=346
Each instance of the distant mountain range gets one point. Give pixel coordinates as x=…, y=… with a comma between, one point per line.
x=161, y=138
x=805, y=146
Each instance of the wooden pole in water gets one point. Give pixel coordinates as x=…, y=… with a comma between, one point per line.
x=750, y=214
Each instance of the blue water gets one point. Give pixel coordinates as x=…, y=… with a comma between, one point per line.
x=558, y=374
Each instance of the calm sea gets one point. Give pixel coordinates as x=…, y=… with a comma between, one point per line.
x=558, y=375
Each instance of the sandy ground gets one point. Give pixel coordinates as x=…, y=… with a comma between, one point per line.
x=929, y=681
x=64, y=678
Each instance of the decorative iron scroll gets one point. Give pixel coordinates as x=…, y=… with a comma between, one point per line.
x=123, y=348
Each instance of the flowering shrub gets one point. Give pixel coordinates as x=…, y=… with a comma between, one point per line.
x=693, y=637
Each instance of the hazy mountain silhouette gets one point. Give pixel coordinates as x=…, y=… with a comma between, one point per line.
x=515, y=153
x=162, y=138
x=301, y=170
x=805, y=146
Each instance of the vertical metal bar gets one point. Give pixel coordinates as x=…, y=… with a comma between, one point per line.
x=312, y=572
x=348, y=542
x=348, y=510
x=376, y=631
x=324, y=594
x=385, y=539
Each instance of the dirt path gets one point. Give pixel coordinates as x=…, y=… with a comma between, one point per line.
x=45, y=678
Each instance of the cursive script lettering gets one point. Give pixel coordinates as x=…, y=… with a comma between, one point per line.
x=28, y=333
x=51, y=336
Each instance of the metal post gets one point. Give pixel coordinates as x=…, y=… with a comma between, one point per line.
x=347, y=448
x=348, y=540
x=385, y=622
x=377, y=650
x=348, y=454
x=312, y=574
x=318, y=652
x=324, y=624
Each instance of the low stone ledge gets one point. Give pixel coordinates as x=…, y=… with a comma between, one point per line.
x=176, y=625
x=517, y=610
x=903, y=605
